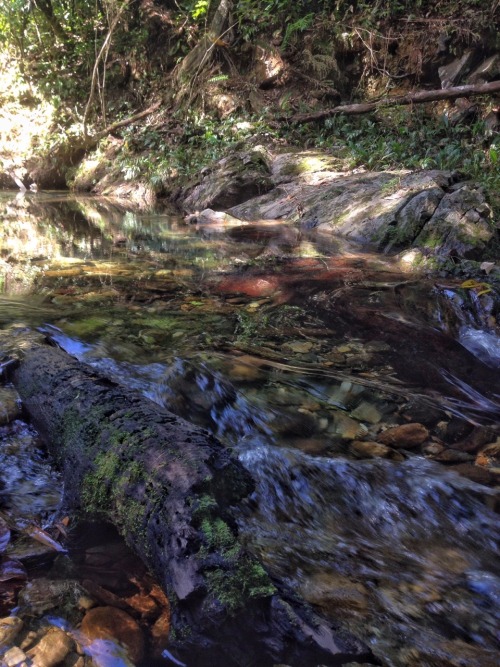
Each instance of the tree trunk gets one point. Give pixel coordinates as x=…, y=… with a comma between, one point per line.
x=412, y=98
x=200, y=57
x=170, y=489
x=45, y=7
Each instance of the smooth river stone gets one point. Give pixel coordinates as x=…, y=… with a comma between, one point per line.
x=52, y=648
x=405, y=435
x=115, y=624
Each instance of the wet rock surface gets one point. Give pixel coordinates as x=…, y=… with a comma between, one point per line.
x=230, y=182
x=427, y=210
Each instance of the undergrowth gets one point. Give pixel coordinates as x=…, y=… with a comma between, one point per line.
x=391, y=139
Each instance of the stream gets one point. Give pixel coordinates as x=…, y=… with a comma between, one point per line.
x=363, y=399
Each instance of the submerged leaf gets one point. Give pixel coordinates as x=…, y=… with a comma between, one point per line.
x=43, y=537
x=481, y=288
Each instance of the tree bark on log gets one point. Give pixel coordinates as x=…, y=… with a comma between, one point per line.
x=412, y=98
x=170, y=488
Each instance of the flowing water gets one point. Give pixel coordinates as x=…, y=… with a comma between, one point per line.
x=298, y=351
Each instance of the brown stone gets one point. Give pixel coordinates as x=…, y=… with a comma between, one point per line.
x=479, y=437
x=405, y=435
x=145, y=605
x=10, y=627
x=371, y=450
x=10, y=405
x=452, y=456
x=489, y=456
x=268, y=66
x=52, y=648
x=115, y=624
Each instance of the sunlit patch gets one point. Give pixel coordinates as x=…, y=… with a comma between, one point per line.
x=410, y=257
x=22, y=127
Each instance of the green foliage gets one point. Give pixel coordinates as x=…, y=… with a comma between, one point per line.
x=205, y=139
x=253, y=16
x=300, y=25
x=234, y=589
x=200, y=9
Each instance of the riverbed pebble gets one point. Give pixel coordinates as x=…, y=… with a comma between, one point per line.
x=369, y=450
x=367, y=412
x=405, y=435
x=452, y=456
x=489, y=456
x=14, y=657
x=52, y=648
x=10, y=627
x=114, y=624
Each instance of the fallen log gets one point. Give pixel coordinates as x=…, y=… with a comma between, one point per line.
x=419, y=97
x=170, y=488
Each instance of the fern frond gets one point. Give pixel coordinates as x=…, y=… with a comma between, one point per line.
x=320, y=64
x=219, y=77
x=300, y=25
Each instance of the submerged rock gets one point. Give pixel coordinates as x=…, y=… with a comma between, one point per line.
x=52, y=648
x=335, y=593
x=10, y=627
x=406, y=435
x=370, y=450
x=14, y=657
x=114, y=624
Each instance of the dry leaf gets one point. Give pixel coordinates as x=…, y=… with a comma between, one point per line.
x=43, y=537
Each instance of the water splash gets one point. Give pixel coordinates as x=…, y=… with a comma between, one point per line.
x=484, y=345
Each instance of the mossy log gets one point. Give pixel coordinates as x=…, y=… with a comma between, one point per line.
x=171, y=488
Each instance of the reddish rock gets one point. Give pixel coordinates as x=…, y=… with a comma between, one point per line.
x=251, y=286
x=115, y=624
x=489, y=456
x=405, y=435
x=145, y=605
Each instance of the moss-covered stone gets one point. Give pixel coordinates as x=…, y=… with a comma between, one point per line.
x=234, y=588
